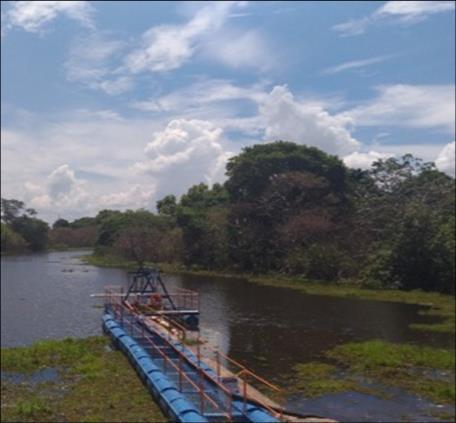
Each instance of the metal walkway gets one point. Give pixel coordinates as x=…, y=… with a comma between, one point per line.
x=215, y=395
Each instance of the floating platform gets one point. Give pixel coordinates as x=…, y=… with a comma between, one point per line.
x=189, y=380
x=186, y=388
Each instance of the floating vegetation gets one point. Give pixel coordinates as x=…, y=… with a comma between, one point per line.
x=91, y=385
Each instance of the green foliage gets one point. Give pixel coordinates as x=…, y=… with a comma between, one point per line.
x=374, y=354
x=250, y=172
x=86, y=368
x=284, y=197
x=10, y=240
x=202, y=215
x=325, y=262
x=291, y=209
x=167, y=205
x=34, y=231
x=315, y=379
x=401, y=365
x=13, y=209
x=60, y=223
x=21, y=222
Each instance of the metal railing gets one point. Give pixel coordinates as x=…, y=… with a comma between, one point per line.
x=205, y=354
x=124, y=316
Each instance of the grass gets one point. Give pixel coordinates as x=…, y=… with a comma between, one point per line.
x=409, y=367
x=314, y=379
x=401, y=365
x=94, y=384
x=440, y=305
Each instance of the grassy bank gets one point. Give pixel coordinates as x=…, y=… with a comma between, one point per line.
x=440, y=305
x=423, y=371
x=93, y=384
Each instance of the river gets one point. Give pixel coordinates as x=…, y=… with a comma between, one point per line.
x=268, y=329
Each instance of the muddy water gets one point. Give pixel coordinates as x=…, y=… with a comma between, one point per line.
x=267, y=328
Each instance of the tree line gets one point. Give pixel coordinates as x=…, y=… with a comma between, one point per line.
x=294, y=210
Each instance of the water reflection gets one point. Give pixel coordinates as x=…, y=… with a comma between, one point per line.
x=269, y=329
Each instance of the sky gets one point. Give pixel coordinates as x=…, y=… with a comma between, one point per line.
x=113, y=105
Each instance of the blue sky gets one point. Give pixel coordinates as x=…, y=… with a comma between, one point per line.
x=115, y=104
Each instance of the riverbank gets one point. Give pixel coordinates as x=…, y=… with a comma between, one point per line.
x=72, y=380
x=383, y=370
x=440, y=305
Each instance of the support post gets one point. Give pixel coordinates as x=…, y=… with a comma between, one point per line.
x=244, y=393
x=180, y=372
x=201, y=388
x=218, y=366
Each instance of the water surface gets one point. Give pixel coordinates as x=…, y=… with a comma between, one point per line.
x=268, y=329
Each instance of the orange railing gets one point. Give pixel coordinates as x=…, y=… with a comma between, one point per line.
x=210, y=356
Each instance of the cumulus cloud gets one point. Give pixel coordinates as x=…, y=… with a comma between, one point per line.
x=186, y=152
x=415, y=106
x=167, y=47
x=64, y=193
x=61, y=190
x=446, y=158
x=286, y=119
x=359, y=160
x=135, y=197
x=62, y=181
x=404, y=12
x=32, y=16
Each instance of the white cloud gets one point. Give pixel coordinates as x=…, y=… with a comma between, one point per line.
x=61, y=191
x=186, y=152
x=405, y=12
x=62, y=181
x=90, y=63
x=32, y=16
x=414, y=10
x=200, y=94
x=354, y=64
x=358, y=160
x=133, y=198
x=100, y=145
x=286, y=119
x=414, y=106
x=446, y=158
x=239, y=50
x=64, y=194
x=167, y=47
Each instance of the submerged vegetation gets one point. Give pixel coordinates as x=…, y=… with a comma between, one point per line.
x=93, y=384
x=420, y=370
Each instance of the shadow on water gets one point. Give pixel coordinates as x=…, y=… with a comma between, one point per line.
x=267, y=328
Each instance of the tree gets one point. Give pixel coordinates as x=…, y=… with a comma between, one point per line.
x=61, y=223
x=273, y=188
x=13, y=209
x=403, y=209
x=10, y=240
x=167, y=205
x=34, y=231
x=201, y=214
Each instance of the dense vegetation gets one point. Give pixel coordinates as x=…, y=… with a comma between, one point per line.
x=294, y=210
x=20, y=229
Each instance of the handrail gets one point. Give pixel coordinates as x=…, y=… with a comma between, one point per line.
x=243, y=370
x=199, y=389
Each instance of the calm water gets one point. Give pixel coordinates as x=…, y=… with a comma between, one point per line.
x=268, y=329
